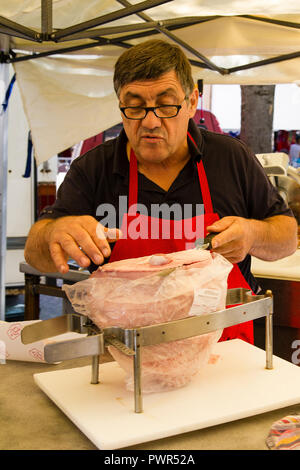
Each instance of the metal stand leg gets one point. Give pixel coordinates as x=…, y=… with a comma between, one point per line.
x=138, y=402
x=4, y=78
x=32, y=299
x=95, y=370
x=269, y=337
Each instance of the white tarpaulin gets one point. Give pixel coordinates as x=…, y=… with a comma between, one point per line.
x=66, y=101
x=69, y=98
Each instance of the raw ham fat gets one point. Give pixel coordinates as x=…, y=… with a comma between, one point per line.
x=155, y=289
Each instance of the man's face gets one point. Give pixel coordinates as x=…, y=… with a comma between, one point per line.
x=153, y=139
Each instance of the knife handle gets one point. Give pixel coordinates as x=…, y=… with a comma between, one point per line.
x=208, y=239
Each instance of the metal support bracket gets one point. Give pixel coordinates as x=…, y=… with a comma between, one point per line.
x=242, y=307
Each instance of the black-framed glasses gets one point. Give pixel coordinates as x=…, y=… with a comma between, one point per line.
x=164, y=111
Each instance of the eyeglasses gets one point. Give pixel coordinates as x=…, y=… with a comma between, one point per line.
x=165, y=111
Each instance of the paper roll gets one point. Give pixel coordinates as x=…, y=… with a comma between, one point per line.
x=12, y=348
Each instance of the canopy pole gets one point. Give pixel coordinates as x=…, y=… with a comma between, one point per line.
x=127, y=28
x=11, y=28
x=272, y=60
x=4, y=78
x=288, y=24
x=46, y=18
x=116, y=15
x=64, y=50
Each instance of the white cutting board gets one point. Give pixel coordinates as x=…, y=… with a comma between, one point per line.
x=236, y=386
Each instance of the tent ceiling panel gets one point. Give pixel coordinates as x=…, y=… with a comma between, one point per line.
x=223, y=36
x=237, y=36
x=226, y=7
x=67, y=13
x=231, y=35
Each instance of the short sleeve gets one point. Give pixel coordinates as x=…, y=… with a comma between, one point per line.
x=74, y=196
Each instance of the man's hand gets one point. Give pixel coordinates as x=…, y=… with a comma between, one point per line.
x=51, y=242
x=269, y=239
x=235, y=238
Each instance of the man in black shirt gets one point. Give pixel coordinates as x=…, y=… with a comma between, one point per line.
x=158, y=100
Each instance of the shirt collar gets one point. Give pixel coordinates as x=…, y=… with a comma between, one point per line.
x=196, y=151
x=121, y=163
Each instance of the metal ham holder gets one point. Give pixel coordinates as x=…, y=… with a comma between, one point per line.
x=243, y=307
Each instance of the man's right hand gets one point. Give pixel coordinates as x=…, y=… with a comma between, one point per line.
x=81, y=238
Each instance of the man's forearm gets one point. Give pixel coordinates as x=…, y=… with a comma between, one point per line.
x=275, y=238
x=36, y=249
x=82, y=238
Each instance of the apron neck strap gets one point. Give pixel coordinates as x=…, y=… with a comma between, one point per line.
x=133, y=184
x=208, y=207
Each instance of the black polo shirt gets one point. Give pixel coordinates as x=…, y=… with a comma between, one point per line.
x=238, y=183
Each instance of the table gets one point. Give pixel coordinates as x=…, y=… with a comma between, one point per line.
x=33, y=286
x=29, y=420
x=287, y=269
x=282, y=277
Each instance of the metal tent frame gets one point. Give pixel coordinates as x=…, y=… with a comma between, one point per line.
x=88, y=30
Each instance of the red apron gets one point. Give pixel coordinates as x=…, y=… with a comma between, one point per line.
x=144, y=235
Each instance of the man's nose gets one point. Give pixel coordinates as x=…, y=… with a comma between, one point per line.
x=151, y=120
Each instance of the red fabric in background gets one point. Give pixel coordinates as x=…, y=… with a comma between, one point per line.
x=210, y=121
x=284, y=139
x=90, y=143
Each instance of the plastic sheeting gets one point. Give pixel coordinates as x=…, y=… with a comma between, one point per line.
x=152, y=290
x=68, y=99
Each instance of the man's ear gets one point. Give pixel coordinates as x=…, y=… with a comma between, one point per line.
x=193, y=100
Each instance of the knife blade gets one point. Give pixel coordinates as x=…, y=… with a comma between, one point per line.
x=205, y=244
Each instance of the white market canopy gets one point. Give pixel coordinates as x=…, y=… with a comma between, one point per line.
x=69, y=97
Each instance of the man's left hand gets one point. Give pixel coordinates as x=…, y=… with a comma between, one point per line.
x=234, y=239
x=269, y=239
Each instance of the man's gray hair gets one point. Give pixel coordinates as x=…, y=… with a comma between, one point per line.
x=151, y=59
